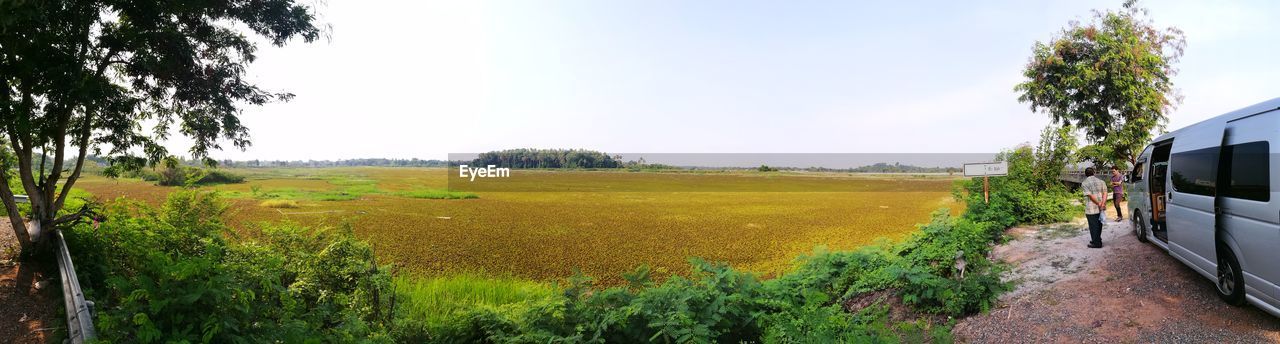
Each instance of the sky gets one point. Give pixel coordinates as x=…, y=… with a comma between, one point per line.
x=422, y=79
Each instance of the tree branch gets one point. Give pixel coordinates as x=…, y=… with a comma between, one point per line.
x=84, y=150
x=60, y=154
x=22, y=147
x=76, y=216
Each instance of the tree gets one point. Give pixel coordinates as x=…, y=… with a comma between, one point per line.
x=1110, y=77
x=1054, y=152
x=90, y=74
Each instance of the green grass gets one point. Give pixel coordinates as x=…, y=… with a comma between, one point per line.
x=437, y=194
x=435, y=300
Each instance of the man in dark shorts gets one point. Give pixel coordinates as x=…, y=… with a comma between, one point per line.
x=1095, y=200
x=1117, y=190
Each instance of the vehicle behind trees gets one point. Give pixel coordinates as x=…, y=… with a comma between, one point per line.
x=1204, y=194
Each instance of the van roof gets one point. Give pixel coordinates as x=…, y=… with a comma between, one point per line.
x=1242, y=112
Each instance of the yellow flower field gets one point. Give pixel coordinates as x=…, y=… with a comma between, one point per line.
x=547, y=235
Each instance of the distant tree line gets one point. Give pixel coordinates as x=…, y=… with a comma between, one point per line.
x=879, y=167
x=538, y=158
x=180, y=161
x=383, y=162
x=548, y=158
x=900, y=168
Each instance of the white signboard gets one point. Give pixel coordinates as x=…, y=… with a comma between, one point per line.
x=986, y=169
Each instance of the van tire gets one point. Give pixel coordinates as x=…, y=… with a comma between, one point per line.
x=1139, y=226
x=1230, y=281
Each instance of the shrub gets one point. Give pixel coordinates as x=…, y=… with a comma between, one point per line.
x=932, y=276
x=169, y=275
x=216, y=176
x=185, y=176
x=1021, y=197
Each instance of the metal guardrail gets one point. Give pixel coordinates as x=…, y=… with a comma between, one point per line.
x=79, y=311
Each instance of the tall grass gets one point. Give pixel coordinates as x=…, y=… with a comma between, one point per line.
x=433, y=302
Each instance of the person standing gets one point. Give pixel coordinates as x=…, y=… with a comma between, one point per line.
x=1117, y=191
x=1095, y=200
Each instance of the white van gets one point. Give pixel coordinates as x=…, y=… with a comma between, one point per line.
x=1204, y=194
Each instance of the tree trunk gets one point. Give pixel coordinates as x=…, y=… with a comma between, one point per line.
x=15, y=217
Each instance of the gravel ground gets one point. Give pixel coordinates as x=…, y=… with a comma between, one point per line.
x=1125, y=292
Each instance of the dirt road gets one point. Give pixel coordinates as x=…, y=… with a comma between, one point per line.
x=1125, y=292
x=27, y=314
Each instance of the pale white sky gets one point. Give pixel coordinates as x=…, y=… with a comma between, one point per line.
x=403, y=79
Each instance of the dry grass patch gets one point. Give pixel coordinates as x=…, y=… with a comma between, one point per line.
x=279, y=203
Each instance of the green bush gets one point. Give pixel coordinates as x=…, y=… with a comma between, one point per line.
x=214, y=176
x=169, y=275
x=1024, y=196
x=931, y=278
x=178, y=175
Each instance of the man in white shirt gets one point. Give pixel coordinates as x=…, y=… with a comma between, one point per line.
x=1095, y=200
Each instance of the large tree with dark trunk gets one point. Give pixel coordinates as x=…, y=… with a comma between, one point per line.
x=114, y=77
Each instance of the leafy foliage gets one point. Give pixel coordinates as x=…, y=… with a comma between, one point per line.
x=170, y=274
x=1029, y=194
x=178, y=175
x=1111, y=77
x=932, y=278
x=90, y=74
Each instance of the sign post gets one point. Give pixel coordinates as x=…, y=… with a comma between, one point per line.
x=985, y=170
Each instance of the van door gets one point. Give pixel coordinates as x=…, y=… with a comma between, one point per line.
x=1249, y=212
x=1190, y=218
x=1138, y=194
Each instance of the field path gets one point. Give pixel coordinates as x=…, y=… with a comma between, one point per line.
x=1126, y=292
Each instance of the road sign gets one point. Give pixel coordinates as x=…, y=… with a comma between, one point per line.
x=986, y=169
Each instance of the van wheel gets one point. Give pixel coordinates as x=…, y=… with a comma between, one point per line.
x=1139, y=226
x=1230, y=279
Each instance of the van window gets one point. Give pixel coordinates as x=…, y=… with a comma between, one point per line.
x=1250, y=165
x=1136, y=175
x=1195, y=171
